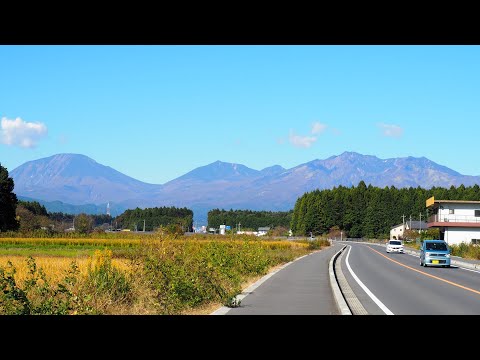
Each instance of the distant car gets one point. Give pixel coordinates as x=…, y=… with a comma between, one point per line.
x=435, y=253
x=395, y=246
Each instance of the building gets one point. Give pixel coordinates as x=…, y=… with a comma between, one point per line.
x=457, y=220
x=396, y=232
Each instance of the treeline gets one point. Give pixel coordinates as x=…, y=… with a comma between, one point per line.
x=368, y=211
x=249, y=219
x=97, y=219
x=33, y=216
x=154, y=218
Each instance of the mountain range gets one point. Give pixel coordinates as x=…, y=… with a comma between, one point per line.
x=75, y=181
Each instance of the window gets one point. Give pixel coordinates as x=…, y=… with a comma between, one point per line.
x=477, y=213
x=476, y=241
x=451, y=211
x=436, y=246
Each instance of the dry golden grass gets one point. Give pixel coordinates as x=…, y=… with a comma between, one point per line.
x=54, y=267
x=119, y=242
x=71, y=241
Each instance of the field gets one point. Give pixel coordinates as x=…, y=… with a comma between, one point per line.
x=128, y=274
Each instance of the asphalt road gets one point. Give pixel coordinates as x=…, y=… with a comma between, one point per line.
x=395, y=284
x=301, y=288
x=379, y=284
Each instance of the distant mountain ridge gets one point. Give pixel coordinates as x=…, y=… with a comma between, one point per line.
x=58, y=206
x=79, y=180
x=76, y=179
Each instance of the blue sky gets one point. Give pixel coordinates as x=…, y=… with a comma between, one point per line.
x=156, y=112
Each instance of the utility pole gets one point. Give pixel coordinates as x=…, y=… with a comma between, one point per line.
x=410, y=222
x=420, y=223
x=143, y=225
x=403, y=218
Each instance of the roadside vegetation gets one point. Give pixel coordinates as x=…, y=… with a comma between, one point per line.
x=161, y=275
x=466, y=251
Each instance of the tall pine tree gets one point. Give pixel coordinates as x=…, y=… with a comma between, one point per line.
x=8, y=202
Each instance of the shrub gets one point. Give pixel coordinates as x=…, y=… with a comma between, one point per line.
x=105, y=286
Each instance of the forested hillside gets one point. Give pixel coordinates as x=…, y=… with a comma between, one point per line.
x=155, y=217
x=368, y=211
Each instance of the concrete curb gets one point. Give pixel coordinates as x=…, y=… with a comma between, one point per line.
x=465, y=265
x=337, y=293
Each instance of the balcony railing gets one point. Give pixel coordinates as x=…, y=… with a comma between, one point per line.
x=454, y=218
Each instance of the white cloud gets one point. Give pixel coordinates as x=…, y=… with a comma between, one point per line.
x=306, y=141
x=301, y=141
x=318, y=128
x=391, y=130
x=21, y=133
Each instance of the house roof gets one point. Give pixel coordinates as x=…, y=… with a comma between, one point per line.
x=415, y=225
x=456, y=202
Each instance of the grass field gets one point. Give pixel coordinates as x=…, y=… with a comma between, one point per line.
x=145, y=275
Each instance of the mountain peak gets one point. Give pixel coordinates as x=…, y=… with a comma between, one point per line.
x=63, y=157
x=350, y=153
x=78, y=179
x=74, y=178
x=353, y=155
x=272, y=170
x=219, y=170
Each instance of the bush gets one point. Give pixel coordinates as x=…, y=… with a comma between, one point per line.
x=318, y=244
x=105, y=286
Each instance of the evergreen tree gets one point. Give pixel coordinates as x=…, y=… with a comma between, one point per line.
x=8, y=202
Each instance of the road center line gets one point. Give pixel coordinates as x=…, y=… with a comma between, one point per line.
x=362, y=285
x=426, y=274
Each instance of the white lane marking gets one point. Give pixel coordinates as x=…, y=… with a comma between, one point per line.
x=362, y=285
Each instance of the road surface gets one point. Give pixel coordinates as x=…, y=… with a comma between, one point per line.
x=301, y=288
x=377, y=283
x=396, y=284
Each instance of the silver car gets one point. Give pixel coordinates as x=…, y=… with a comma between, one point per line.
x=395, y=246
